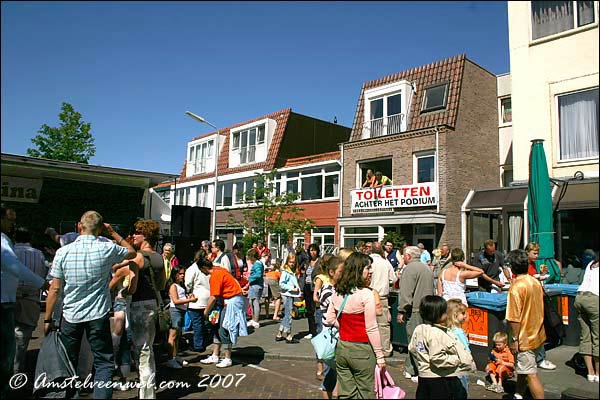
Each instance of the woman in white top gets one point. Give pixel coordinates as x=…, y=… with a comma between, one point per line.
x=451, y=282
x=586, y=304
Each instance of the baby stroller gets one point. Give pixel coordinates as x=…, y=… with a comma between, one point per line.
x=299, y=309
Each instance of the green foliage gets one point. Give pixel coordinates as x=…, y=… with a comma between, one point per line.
x=396, y=238
x=273, y=213
x=70, y=141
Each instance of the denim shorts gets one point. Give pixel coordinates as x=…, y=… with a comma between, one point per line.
x=177, y=317
x=120, y=305
x=255, y=291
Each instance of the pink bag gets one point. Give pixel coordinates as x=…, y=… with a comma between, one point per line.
x=385, y=388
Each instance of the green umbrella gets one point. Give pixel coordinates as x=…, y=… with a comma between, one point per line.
x=539, y=214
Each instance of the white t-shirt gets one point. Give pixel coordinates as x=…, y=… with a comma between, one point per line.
x=590, y=279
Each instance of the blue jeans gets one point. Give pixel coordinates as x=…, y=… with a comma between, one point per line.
x=464, y=380
x=286, y=322
x=318, y=320
x=541, y=355
x=199, y=326
x=99, y=337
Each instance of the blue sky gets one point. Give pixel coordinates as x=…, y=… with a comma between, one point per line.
x=133, y=68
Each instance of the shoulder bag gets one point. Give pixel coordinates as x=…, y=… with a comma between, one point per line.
x=326, y=341
x=162, y=316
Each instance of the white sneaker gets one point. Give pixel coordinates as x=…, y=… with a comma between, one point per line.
x=517, y=396
x=210, y=360
x=181, y=361
x=224, y=363
x=172, y=363
x=545, y=364
x=407, y=375
x=415, y=379
x=309, y=336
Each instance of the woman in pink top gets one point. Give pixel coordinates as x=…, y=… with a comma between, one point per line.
x=359, y=347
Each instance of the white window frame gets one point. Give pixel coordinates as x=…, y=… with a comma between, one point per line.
x=196, y=164
x=501, y=121
x=402, y=88
x=416, y=157
x=237, y=139
x=557, y=125
x=202, y=199
x=283, y=181
x=557, y=35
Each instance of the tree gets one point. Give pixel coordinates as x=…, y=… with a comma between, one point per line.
x=270, y=212
x=396, y=238
x=70, y=141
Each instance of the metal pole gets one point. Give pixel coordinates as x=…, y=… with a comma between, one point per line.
x=214, y=219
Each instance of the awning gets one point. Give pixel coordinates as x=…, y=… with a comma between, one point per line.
x=580, y=195
x=498, y=198
x=413, y=218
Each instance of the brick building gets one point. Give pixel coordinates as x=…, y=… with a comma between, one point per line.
x=432, y=130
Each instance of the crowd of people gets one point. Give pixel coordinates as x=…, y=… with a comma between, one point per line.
x=97, y=273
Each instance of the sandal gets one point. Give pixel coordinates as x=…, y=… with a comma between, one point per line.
x=320, y=376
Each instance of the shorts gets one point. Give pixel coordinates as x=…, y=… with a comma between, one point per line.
x=255, y=291
x=177, y=317
x=274, y=290
x=526, y=362
x=220, y=334
x=120, y=305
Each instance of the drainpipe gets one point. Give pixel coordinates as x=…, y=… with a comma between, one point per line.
x=341, y=190
x=437, y=166
x=463, y=221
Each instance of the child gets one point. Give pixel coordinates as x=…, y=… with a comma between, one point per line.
x=502, y=363
x=177, y=308
x=256, y=286
x=457, y=315
x=439, y=355
x=290, y=291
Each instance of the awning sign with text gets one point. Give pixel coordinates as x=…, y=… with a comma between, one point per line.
x=390, y=197
x=21, y=189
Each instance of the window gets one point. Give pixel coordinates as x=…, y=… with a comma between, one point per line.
x=506, y=111
x=578, y=124
x=199, y=155
x=202, y=196
x=324, y=236
x=225, y=194
x=165, y=195
x=332, y=185
x=385, y=115
x=312, y=187
x=385, y=166
x=552, y=17
x=182, y=197
x=245, y=143
x=435, y=98
x=424, y=167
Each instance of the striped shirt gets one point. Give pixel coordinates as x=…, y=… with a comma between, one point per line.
x=85, y=268
x=324, y=298
x=34, y=260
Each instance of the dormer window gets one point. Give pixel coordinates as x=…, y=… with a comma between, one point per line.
x=386, y=109
x=245, y=142
x=435, y=98
x=200, y=157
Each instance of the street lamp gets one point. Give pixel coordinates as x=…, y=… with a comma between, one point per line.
x=214, y=218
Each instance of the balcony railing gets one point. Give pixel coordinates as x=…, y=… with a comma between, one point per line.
x=383, y=126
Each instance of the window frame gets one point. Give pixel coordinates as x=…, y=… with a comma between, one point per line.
x=194, y=150
x=557, y=124
x=576, y=28
x=420, y=155
x=237, y=138
x=424, y=108
x=501, y=108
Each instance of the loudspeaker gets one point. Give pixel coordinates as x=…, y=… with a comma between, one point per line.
x=190, y=222
x=185, y=249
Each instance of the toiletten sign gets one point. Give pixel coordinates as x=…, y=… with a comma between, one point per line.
x=23, y=190
x=391, y=197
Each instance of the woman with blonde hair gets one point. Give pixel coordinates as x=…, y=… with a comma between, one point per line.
x=290, y=290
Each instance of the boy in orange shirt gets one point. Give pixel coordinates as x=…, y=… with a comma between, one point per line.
x=502, y=363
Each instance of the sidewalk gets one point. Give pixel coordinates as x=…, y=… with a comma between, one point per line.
x=261, y=342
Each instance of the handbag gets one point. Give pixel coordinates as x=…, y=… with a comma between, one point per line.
x=385, y=388
x=326, y=341
x=162, y=316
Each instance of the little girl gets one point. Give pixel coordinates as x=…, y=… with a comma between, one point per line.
x=256, y=286
x=457, y=315
x=177, y=308
x=290, y=290
x=439, y=355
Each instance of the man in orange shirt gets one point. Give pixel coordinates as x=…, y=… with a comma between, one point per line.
x=227, y=300
x=525, y=315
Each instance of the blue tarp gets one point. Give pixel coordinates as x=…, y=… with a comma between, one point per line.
x=488, y=301
x=561, y=288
